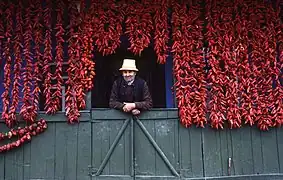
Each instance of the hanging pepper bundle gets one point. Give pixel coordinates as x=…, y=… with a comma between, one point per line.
x=229, y=45
x=161, y=31
x=47, y=57
x=10, y=122
x=38, y=56
x=27, y=110
x=244, y=73
x=110, y=18
x=87, y=49
x=1, y=31
x=72, y=111
x=17, y=42
x=180, y=63
x=24, y=135
x=263, y=53
x=59, y=56
x=216, y=76
x=198, y=92
x=139, y=25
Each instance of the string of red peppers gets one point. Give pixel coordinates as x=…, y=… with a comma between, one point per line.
x=139, y=25
x=87, y=50
x=216, y=77
x=23, y=134
x=262, y=54
x=161, y=30
x=47, y=59
x=38, y=56
x=1, y=32
x=229, y=47
x=180, y=69
x=196, y=71
x=72, y=111
x=109, y=28
x=7, y=73
x=244, y=73
x=59, y=56
x=27, y=110
x=278, y=90
x=17, y=42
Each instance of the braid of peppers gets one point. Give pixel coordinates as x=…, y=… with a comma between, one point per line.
x=7, y=73
x=27, y=109
x=72, y=112
x=59, y=56
x=161, y=33
x=180, y=71
x=139, y=25
x=197, y=64
x=47, y=57
x=18, y=39
x=38, y=62
x=1, y=31
x=215, y=75
x=247, y=110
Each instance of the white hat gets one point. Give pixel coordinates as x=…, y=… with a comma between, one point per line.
x=129, y=64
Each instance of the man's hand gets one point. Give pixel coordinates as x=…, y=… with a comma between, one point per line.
x=129, y=107
x=136, y=112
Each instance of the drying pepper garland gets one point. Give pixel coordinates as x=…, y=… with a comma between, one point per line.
x=161, y=30
x=139, y=25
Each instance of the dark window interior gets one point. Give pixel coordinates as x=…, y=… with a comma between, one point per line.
x=107, y=70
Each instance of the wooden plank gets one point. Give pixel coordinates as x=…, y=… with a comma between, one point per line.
x=185, y=152
x=117, y=158
x=280, y=148
x=165, y=139
x=14, y=163
x=196, y=151
x=65, y=151
x=27, y=161
x=84, y=151
x=211, y=153
x=98, y=134
x=3, y=128
x=224, y=146
x=108, y=114
x=269, y=152
x=144, y=151
x=246, y=155
x=105, y=145
x=257, y=150
x=43, y=155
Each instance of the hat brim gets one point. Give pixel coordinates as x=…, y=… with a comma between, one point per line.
x=128, y=69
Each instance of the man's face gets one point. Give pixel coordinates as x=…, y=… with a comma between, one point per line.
x=129, y=75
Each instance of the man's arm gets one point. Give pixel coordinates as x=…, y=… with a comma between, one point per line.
x=113, y=102
x=146, y=102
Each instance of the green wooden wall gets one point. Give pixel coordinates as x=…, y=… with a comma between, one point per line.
x=109, y=145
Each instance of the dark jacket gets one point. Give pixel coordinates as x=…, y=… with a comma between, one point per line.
x=137, y=93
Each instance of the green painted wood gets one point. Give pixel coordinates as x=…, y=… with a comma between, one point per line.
x=191, y=152
x=269, y=152
x=257, y=150
x=144, y=152
x=3, y=128
x=242, y=159
x=212, y=152
x=279, y=133
x=165, y=138
x=83, y=151
x=65, y=151
x=225, y=152
x=14, y=162
x=27, y=161
x=43, y=154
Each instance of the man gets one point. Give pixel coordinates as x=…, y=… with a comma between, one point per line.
x=130, y=93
